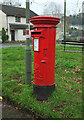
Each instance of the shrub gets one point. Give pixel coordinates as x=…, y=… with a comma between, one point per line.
x=4, y=36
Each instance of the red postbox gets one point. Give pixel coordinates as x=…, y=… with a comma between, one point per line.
x=44, y=42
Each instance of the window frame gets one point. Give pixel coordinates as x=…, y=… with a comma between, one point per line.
x=17, y=19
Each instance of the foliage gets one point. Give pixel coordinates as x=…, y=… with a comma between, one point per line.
x=4, y=36
x=74, y=33
x=64, y=102
x=76, y=19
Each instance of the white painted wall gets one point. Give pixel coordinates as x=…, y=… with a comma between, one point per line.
x=9, y=32
x=21, y=37
x=16, y=35
x=23, y=20
x=11, y=20
x=2, y=20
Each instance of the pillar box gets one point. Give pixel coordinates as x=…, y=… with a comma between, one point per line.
x=44, y=42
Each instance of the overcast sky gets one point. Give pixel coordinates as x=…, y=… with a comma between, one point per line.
x=73, y=6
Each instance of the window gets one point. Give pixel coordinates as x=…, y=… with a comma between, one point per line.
x=24, y=32
x=17, y=19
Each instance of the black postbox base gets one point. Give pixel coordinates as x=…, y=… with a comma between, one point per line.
x=43, y=92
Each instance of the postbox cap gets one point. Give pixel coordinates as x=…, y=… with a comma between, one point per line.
x=44, y=20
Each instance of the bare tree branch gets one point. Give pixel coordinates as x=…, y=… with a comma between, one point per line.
x=12, y=2
x=53, y=9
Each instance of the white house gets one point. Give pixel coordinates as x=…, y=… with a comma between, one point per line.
x=13, y=19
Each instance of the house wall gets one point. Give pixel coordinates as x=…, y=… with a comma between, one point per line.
x=18, y=33
x=21, y=36
x=2, y=20
x=11, y=19
x=23, y=20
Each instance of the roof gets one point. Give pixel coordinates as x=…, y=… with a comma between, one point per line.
x=15, y=11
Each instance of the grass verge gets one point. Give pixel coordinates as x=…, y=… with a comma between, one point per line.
x=70, y=47
x=64, y=102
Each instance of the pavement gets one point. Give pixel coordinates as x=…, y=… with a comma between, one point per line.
x=0, y=109
x=11, y=111
x=70, y=51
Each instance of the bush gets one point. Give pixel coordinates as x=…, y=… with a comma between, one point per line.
x=4, y=36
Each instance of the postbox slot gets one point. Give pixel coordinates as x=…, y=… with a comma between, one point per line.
x=34, y=33
x=43, y=61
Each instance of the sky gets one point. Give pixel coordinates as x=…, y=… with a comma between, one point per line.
x=72, y=6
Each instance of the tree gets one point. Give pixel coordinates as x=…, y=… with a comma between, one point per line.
x=12, y=3
x=76, y=19
x=53, y=9
x=4, y=36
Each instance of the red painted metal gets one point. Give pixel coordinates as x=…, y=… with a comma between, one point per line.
x=44, y=36
x=27, y=32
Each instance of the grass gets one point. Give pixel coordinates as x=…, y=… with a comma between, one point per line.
x=71, y=47
x=64, y=102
